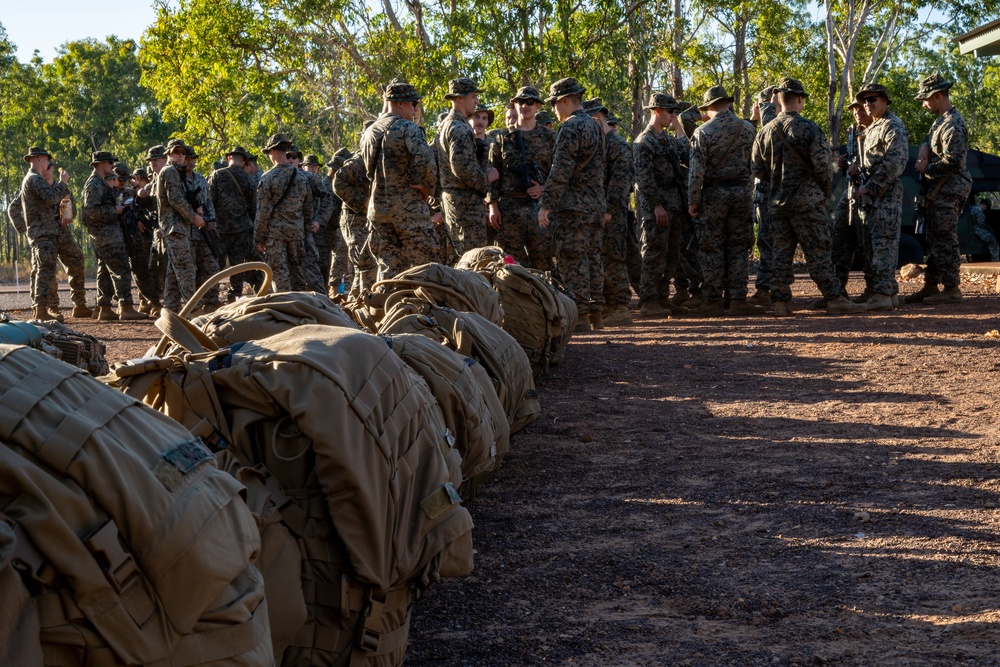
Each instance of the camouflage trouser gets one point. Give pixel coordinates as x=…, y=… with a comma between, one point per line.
x=725, y=233
x=181, y=275
x=138, y=255
x=314, y=276
x=883, y=222
x=401, y=244
x=985, y=234
x=334, y=263
x=44, y=255
x=577, y=238
x=765, y=250
x=688, y=275
x=158, y=266
x=521, y=236
x=206, y=266
x=354, y=228
x=633, y=251
x=943, y=256
x=661, y=249
x=613, y=257
x=114, y=274
x=286, y=257
x=465, y=215
x=71, y=257
x=237, y=247
x=850, y=240
x=811, y=230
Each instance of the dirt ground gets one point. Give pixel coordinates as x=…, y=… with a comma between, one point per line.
x=705, y=492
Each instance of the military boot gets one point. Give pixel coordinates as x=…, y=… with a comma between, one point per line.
x=82, y=312
x=742, y=307
x=762, y=297
x=127, y=312
x=694, y=302
x=40, y=313
x=863, y=297
x=582, y=326
x=154, y=309
x=105, y=314
x=596, y=320
x=841, y=305
x=949, y=295
x=54, y=314
x=927, y=290
x=618, y=316
x=653, y=309
x=879, y=303
x=820, y=304
x=710, y=308
x=680, y=297
x=783, y=309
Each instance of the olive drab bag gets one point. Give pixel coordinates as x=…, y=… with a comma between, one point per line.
x=471, y=408
x=440, y=285
x=20, y=641
x=570, y=313
x=474, y=336
x=135, y=548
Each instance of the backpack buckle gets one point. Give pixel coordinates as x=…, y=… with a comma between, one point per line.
x=370, y=633
x=115, y=561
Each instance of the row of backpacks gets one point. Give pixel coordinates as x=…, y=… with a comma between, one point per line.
x=275, y=482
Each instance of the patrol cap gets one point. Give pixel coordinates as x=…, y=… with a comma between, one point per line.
x=489, y=113
x=595, y=105
x=339, y=158
x=873, y=88
x=239, y=150
x=564, y=87
x=527, y=93
x=37, y=151
x=713, y=95
x=311, y=160
x=461, y=87
x=175, y=145
x=102, y=156
x=793, y=86
x=933, y=84
x=277, y=142
x=156, y=152
x=400, y=91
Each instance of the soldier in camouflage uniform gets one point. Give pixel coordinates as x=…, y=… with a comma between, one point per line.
x=40, y=197
x=881, y=194
x=351, y=186
x=340, y=270
x=575, y=200
x=545, y=119
x=156, y=158
x=100, y=217
x=617, y=187
x=206, y=264
x=132, y=233
x=463, y=181
x=514, y=196
x=982, y=229
x=235, y=200
x=661, y=192
x=941, y=163
x=284, y=203
x=721, y=202
x=765, y=110
x=792, y=158
x=849, y=236
x=322, y=206
x=403, y=173
x=177, y=218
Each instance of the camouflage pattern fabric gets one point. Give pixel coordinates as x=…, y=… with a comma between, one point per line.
x=884, y=157
x=280, y=225
x=114, y=273
x=849, y=240
x=791, y=156
x=40, y=205
x=181, y=279
x=720, y=151
x=465, y=216
x=947, y=173
x=172, y=208
x=765, y=252
x=71, y=257
x=463, y=184
x=234, y=198
x=44, y=254
x=578, y=238
x=330, y=244
x=578, y=163
x=661, y=248
x=505, y=156
x=198, y=184
x=521, y=236
x=287, y=260
x=354, y=228
x=315, y=281
x=768, y=112
x=403, y=234
x=618, y=186
x=984, y=233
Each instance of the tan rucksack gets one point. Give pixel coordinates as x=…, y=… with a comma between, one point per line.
x=136, y=549
x=440, y=285
x=352, y=450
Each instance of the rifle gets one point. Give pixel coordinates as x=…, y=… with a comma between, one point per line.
x=207, y=233
x=129, y=219
x=527, y=171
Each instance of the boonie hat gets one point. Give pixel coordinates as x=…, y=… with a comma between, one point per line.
x=400, y=91
x=713, y=95
x=460, y=87
x=876, y=88
x=564, y=87
x=932, y=84
x=37, y=151
x=527, y=93
x=102, y=156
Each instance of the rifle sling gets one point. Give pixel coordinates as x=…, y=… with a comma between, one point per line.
x=779, y=131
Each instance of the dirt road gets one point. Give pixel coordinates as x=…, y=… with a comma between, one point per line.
x=812, y=491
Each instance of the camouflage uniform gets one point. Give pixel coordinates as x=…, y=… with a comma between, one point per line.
x=176, y=219
x=280, y=229
x=396, y=155
x=884, y=158
x=334, y=263
x=40, y=207
x=618, y=184
x=114, y=273
x=520, y=235
x=719, y=184
x=463, y=183
x=947, y=175
x=660, y=181
x=206, y=265
x=235, y=200
x=317, y=267
x=152, y=241
x=350, y=184
x=768, y=112
x=849, y=239
x=577, y=204
x=796, y=172
x=984, y=232
x=71, y=257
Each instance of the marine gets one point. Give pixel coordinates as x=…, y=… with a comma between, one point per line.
x=177, y=218
x=351, y=187
x=235, y=200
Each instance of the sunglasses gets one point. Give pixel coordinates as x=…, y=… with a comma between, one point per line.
x=869, y=100
x=526, y=103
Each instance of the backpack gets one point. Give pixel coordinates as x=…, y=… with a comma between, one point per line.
x=16, y=214
x=441, y=285
x=474, y=336
x=570, y=313
x=58, y=340
x=135, y=548
x=350, y=450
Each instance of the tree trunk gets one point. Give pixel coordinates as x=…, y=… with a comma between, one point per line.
x=677, y=80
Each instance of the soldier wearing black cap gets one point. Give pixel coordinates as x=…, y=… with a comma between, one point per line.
x=235, y=201
x=575, y=200
x=941, y=163
x=100, y=215
x=522, y=156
